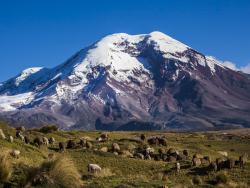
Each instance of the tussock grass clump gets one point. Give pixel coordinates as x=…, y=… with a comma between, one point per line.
x=223, y=180
x=5, y=168
x=232, y=184
x=22, y=174
x=159, y=176
x=60, y=172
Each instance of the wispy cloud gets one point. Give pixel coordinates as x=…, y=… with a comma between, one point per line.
x=246, y=68
x=231, y=65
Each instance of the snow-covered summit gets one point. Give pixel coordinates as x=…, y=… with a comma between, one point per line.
x=118, y=61
x=121, y=51
x=119, y=55
x=166, y=43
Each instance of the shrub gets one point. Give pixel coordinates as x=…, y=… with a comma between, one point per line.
x=5, y=169
x=48, y=129
x=60, y=172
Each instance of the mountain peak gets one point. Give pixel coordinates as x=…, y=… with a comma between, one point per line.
x=157, y=35
x=146, y=77
x=166, y=43
x=130, y=45
x=25, y=73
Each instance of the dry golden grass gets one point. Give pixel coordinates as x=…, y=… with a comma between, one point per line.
x=60, y=172
x=105, y=172
x=232, y=184
x=5, y=168
x=119, y=170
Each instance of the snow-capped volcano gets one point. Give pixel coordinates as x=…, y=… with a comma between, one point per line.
x=130, y=82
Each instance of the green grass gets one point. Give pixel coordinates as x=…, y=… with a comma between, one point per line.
x=128, y=171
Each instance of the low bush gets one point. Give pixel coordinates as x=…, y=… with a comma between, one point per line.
x=48, y=129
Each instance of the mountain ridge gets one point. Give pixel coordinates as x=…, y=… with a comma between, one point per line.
x=121, y=79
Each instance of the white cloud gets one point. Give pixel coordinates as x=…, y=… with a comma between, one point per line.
x=231, y=65
x=245, y=69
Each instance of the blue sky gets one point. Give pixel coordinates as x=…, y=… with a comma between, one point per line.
x=47, y=32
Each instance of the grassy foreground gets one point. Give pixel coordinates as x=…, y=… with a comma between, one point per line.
x=121, y=171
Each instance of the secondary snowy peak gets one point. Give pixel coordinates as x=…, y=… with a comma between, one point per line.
x=26, y=73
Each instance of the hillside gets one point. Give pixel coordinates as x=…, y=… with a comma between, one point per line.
x=123, y=171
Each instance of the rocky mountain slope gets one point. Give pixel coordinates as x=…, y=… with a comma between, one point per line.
x=130, y=82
